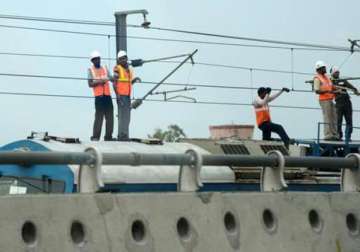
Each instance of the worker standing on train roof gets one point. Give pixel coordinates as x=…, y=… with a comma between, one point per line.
x=123, y=81
x=263, y=119
x=343, y=103
x=324, y=87
x=98, y=80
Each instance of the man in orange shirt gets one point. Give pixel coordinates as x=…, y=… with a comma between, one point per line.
x=263, y=119
x=98, y=80
x=324, y=87
x=123, y=81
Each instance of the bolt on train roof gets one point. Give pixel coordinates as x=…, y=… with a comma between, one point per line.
x=129, y=174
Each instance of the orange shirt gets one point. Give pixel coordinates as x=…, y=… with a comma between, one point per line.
x=123, y=84
x=100, y=73
x=325, y=85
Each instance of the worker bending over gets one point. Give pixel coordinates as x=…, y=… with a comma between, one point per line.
x=98, y=80
x=123, y=80
x=263, y=119
x=324, y=87
x=343, y=103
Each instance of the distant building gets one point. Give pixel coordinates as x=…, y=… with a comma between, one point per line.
x=238, y=131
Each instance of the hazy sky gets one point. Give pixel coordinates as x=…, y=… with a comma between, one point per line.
x=324, y=22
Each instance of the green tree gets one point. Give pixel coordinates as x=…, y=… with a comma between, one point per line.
x=172, y=134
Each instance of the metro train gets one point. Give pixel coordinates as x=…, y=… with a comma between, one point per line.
x=22, y=179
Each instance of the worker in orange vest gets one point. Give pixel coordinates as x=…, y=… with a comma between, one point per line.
x=123, y=81
x=263, y=118
x=324, y=87
x=98, y=80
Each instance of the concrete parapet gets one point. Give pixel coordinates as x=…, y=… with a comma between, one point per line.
x=181, y=222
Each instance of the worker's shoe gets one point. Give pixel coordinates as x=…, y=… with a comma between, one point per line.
x=110, y=139
x=94, y=138
x=122, y=139
x=333, y=138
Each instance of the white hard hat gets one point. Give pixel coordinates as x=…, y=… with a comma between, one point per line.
x=319, y=64
x=121, y=54
x=334, y=69
x=95, y=54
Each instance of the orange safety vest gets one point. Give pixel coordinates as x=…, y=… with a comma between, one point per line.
x=326, y=85
x=100, y=73
x=123, y=83
x=262, y=114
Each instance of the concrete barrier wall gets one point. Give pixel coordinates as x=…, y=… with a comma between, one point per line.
x=217, y=222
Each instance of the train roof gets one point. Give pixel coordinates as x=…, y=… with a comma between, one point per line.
x=130, y=174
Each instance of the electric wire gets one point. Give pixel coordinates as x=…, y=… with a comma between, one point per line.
x=292, y=68
x=54, y=30
x=164, y=60
x=347, y=58
x=244, y=68
x=145, y=82
x=260, y=40
x=57, y=20
x=165, y=39
x=290, y=43
x=158, y=100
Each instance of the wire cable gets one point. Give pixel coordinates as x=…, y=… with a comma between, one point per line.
x=57, y=20
x=145, y=82
x=347, y=58
x=165, y=39
x=161, y=60
x=245, y=68
x=102, y=23
x=292, y=68
x=158, y=100
x=343, y=48
x=54, y=30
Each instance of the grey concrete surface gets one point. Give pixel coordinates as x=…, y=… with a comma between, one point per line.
x=215, y=222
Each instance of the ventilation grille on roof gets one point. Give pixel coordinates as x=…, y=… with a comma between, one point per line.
x=235, y=149
x=267, y=148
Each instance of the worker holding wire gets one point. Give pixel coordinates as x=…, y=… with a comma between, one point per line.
x=343, y=103
x=123, y=81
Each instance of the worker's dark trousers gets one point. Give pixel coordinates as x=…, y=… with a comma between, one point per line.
x=124, y=109
x=103, y=108
x=268, y=127
x=344, y=109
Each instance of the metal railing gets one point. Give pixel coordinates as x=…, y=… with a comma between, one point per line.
x=323, y=123
x=191, y=162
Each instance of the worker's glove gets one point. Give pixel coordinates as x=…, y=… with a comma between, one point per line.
x=136, y=80
x=268, y=90
x=284, y=89
x=135, y=104
x=336, y=91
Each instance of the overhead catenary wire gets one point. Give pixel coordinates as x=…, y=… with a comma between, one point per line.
x=165, y=39
x=143, y=82
x=259, y=40
x=57, y=20
x=245, y=68
x=163, y=60
x=159, y=100
x=244, y=87
x=347, y=58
